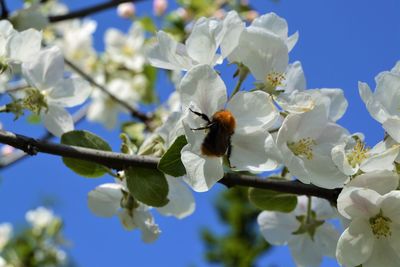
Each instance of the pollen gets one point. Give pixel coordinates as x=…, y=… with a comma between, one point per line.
x=303, y=147
x=358, y=153
x=274, y=79
x=128, y=50
x=35, y=100
x=380, y=225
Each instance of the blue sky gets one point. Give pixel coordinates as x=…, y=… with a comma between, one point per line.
x=341, y=42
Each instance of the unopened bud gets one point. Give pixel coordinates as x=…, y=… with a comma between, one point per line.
x=126, y=10
x=159, y=7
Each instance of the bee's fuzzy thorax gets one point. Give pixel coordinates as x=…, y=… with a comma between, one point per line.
x=225, y=119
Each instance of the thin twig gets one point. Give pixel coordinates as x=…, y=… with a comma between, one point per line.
x=144, y=117
x=89, y=10
x=121, y=161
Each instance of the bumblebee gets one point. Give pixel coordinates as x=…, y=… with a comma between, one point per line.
x=220, y=129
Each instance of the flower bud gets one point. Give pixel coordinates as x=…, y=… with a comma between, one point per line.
x=126, y=10
x=159, y=7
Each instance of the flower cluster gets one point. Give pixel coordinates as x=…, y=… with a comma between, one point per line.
x=281, y=124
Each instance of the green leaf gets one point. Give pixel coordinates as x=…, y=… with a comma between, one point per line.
x=34, y=119
x=170, y=162
x=148, y=24
x=272, y=200
x=147, y=185
x=89, y=140
x=148, y=95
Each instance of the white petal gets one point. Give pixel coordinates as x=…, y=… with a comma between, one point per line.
x=374, y=107
x=339, y=157
x=203, y=86
x=254, y=151
x=272, y=23
x=392, y=127
x=168, y=54
x=326, y=238
x=356, y=244
x=277, y=227
x=261, y=52
x=25, y=46
x=335, y=101
x=233, y=27
x=394, y=238
x=46, y=70
x=294, y=78
x=57, y=120
x=248, y=118
x=292, y=40
x=70, y=92
x=383, y=255
x=181, y=202
x=202, y=171
x=390, y=206
x=379, y=181
x=104, y=201
x=145, y=221
x=305, y=252
x=201, y=45
x=358, y=202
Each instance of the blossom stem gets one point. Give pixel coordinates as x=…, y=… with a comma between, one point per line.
x=243, y=72
x=88, y=10
x=308, y=218
x=120, y=161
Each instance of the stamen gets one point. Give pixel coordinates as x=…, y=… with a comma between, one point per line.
x=303, y=147
x=380, y=225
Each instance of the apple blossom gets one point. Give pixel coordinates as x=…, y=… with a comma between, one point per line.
x=6, y=231
x=253, y=148
x=200, y=47
x=352, y=155
x=382, y=103
x=305, y=141
x=40, y=217
x=127, y=50
x=372, y=238
x=309, y=239
x=50, y=92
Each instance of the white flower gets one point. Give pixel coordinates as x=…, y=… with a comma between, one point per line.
x=383, y=104
x=105, y=201
x=6, y=231
x=104, y=109
x=263, y=48
x=380, y=181
x=251, y=115
x=51, y=92
x=351, y=155
x=17, y=47
x=200, y=47
x=127, y=49
x=40, y=218
x=372, y=238
x=308, y=243
x=305, y=141
x=295, y=99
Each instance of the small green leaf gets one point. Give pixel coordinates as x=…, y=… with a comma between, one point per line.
x=147, y=185
x=89, y=140
x=170, y=162
x=148, y=24
x=34, y=119
x=272, y=200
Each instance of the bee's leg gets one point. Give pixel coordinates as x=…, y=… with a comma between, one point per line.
x=202, y=115
x=202, y=128
x=228, y=155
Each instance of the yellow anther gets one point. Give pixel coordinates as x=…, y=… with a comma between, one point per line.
x=303, y=147
x=380, y=225
x=357, y=154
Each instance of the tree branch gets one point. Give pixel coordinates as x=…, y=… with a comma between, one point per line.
x=89, y=10
x=16, y=156
x=121, y=161
x=145, y=118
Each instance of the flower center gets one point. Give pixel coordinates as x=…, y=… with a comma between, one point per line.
x=35, y=100
x=380, y=225
x=303, y=147
x=274, y=79
x=357, y=154
x=128, y=50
